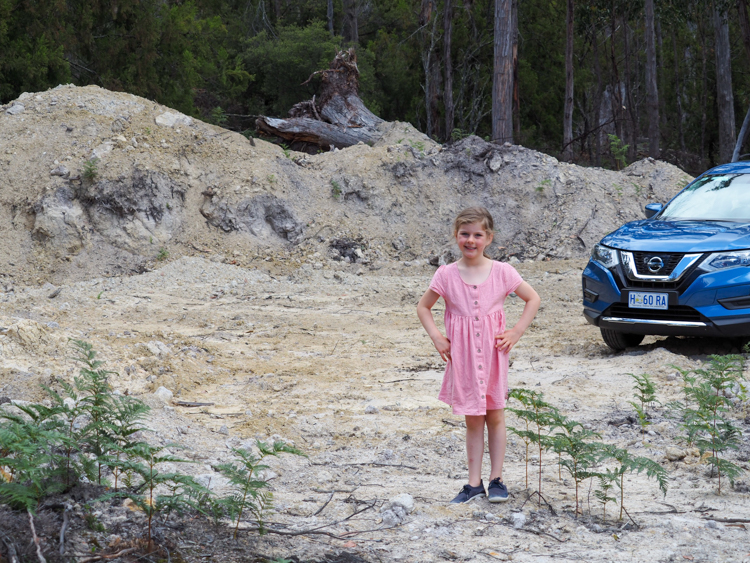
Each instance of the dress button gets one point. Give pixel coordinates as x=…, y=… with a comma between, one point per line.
x=475, y=287
x=477, y=334
x=479, y=350
x=481, y=381
x=476, y=302
x=482, y=396
x=476, y=318
x=480, y=367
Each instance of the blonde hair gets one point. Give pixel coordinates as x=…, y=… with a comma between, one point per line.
x=475, y=215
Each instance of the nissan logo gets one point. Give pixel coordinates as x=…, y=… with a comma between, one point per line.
x=655, y=264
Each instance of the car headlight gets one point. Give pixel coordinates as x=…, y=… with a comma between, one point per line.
x=607, y=257
x=724, y=260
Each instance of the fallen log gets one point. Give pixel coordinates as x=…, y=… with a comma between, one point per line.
x=337, y=119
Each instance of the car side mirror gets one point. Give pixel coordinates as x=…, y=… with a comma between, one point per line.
x=652, y=209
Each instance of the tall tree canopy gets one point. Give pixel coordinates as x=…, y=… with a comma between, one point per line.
x=667, y=77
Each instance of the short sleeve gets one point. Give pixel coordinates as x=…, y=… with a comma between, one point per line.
x=438, y=282
x=511, y=278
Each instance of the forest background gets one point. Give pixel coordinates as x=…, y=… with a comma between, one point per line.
x=668, y=78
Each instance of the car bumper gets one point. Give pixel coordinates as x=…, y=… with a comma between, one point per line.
x=698, y=311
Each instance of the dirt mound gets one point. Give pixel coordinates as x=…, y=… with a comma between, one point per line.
x=101, y=182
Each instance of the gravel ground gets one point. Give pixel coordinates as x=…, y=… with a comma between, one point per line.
x=333, y=359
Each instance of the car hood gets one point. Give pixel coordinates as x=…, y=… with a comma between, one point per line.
x=680, y=236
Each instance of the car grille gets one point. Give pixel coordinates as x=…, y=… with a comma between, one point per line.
x=680, y=286
x=674, y=313
x=670, y=262
x=653, y=285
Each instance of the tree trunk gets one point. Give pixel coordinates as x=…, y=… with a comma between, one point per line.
x=567, y=152
x=329, y=15
x=597, y=100
x=448, y=82
x=338, y=118
x=616, y=97
x=428, y=67
x=744, y=25
x=661, y=76
x=652, y=91
x=351, y=28
x=704, y=94
x=724, y=95
x=630, y=109
x=678, y=91
x=741, y=137
x=502, y=77
x=434, y=95
x=516, y=96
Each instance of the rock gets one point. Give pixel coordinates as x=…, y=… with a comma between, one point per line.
x=69, y=403
x=211, y=481
x=405, y=501
x=371, y=409
x=224, y=430
x=102, y=150
x=60, y=171
x=158, y=348
x=518, y=519
x=711, y=524
x=164, y=394
x=496, y=162
x=169, y=119
x=675, y=454
x=393, y=516
x=15, y=109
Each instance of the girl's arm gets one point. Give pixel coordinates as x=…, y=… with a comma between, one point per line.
x=424, y=312
x=509, y=338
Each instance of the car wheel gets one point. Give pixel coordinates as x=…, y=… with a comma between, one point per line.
x=620, y=340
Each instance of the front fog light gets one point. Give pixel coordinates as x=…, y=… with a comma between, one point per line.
x=607, y=257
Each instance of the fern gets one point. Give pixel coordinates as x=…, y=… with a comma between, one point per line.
x=248, y=490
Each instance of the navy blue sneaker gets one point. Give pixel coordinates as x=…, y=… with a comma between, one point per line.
x=469, y=493
x=497, y=491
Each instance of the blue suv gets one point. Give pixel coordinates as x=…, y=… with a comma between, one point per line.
x=685, y=270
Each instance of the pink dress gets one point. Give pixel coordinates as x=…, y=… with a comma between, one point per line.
x=476, y=377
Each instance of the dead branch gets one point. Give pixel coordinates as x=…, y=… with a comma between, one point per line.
x=36, y=538
x=66, y=521
x=112, y=556
x=320, y=529
x=326, y=504
x=541, y=497
x=12, y=554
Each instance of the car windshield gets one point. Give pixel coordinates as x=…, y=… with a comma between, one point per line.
x=724, y=197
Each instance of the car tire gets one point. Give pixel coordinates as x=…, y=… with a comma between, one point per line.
x=620, y=340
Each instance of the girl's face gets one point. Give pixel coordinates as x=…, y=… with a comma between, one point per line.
x=472, y=239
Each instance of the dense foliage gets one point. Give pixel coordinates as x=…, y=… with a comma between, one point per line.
x=229, y=61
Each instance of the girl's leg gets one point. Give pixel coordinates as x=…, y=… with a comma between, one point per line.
x=496, y=438
x=475, y=447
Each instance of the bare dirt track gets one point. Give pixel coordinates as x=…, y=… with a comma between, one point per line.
x=282, y=287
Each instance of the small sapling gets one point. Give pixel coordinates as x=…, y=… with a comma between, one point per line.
x=644, y=392
x=249, y=494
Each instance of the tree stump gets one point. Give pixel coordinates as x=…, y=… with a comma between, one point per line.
x=337, y=119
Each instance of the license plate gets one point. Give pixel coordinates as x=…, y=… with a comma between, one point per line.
x=647, y=300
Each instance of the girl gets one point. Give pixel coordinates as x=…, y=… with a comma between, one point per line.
x=477, y=344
